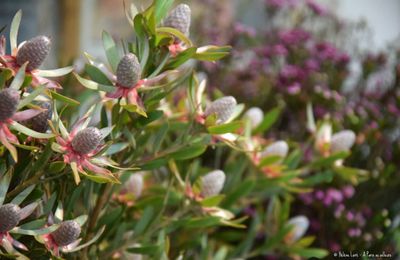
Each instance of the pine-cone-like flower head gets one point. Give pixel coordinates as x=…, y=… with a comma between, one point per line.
x=278, y=148
x=212, y=183
x=299, y=227
x=255, y=115
x=223, y=108
x=342, y=141
x=66, y=233
x=179, y=18
x=9, y=100
x=39, y=123
x=87, y=140
x=9, y=217
x=35, y=51
x=134, y=185
x=128, y=71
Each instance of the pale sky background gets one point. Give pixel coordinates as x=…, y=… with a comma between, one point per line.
x=383, y=17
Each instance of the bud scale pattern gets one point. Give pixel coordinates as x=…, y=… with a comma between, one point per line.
x=128, y=71
x=67, y=233
x=9, y=100
x=87, y=140
x=34, y=51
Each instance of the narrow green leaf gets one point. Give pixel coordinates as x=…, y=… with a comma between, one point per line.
x=14, y=30
x=269, y=119
x=97, y=75
x=22, y=196
x=63, y=99
x=111, y=50
x=225, y=128
x=29, y=132
x=54, y=73
x=189, y=152
x=144, y=221
x=4, y=184
x=19, y=78
x=94, y=85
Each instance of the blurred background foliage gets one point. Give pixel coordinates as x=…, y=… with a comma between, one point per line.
x=288, y=57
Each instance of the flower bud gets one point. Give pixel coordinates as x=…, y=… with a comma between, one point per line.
x=87, y=140
x=223, y=108
x=299, y=228
x=278, y=148
x=179, y=18
x=128, y=71
x=66, y=233
x=212, y=183
x=9, y=217
x=134, y=185
x=34, y=51
x=255, y=115
x=39, y=123
x=9, y=100
x=342, y=141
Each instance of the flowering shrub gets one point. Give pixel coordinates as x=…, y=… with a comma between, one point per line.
x=298, y=67
x=146, y=164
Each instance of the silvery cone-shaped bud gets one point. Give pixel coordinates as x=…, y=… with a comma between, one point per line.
x=342, y=141
x=9, y=217
x=223, y=108
x=34, y=51
x=40, y=122
x=299, y=225
x=278, y=148
x=128, y=71
x=255, y=115
x=9, y=100
x=66, y=233
x=87, y=140
x=212, y=183
x=134, y=185
x=179, y=19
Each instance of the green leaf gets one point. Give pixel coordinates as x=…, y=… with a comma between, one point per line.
x=181, y=58
x=97, y=75
x=27, y=100
x=14, y=30
x=63, y=99
x=212, y=53
x=328, y=161
x=56, y=167
x=111, y=50
x=161, y=9
x=4, y=184
x=268, y=160
x=36, y=232
x=144, y=249
x=175, y=33
x=212, y=201
x=269, y=119
x=241, y=190
x=29, y=132
x=94, y=85
x=144, y=221
x=151, y=117
x=310, y=252
x=19, y=78
x=22, y=196
x=225, y=128
x=5, y=75
x=203, y=222
x=188, y=152
x=88, y=243
x=54, y=73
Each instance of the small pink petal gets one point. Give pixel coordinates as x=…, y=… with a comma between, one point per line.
x=96, y=169
x=27, y=114
x=117, y=94
x=37, y=80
